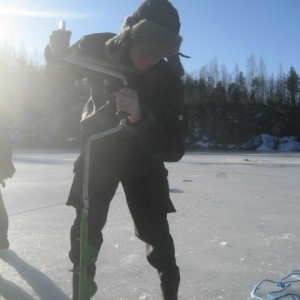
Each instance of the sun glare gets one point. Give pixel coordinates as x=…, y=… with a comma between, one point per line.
x=10, y=31
x=22, y=12
x=24, y=27
x=16, y=28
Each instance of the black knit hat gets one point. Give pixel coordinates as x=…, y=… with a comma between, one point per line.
x=161, y=12
x=155, y=25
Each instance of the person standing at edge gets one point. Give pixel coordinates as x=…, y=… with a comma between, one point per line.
x=146, y=51
x=7, y=170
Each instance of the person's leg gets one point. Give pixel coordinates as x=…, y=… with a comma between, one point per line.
x=96, y=222
x=102, y=186
x=4, y=243
x=161, y=254
x=151, y=224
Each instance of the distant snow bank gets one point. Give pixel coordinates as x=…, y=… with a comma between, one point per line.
x=262, y=142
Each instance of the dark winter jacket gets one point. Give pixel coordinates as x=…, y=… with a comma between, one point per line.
x=161, y=131
x=7, y=168
x=140, y=149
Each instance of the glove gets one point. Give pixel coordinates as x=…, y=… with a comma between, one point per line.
x=59, y=42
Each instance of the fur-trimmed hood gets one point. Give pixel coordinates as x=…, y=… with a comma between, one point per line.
x=155, y=38
x=147, y=29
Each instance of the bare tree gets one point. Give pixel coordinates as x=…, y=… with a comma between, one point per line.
x=213, y=72
x=251, y=69
x=225, y=77
x=262, y=78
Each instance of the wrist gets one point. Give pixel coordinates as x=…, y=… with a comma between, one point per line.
x=135, y=117
x=145, y=122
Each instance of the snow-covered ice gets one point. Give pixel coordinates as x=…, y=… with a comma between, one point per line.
x=237, y=222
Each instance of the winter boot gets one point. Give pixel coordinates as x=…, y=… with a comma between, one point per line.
x=170, y=284
x=75, y=287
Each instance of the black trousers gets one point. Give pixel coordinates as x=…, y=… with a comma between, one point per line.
x=147, y=195
x=3, y=221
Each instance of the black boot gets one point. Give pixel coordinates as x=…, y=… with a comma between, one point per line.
x=76, y=283
x=170, y=283
x=75, y=287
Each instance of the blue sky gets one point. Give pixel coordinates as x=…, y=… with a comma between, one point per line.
x=229, y=31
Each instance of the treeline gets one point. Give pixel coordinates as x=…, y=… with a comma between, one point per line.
x=226, y=108
x=232, y=108
x=255, y=87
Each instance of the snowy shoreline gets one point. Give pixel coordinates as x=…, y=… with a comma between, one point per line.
x=262, y=142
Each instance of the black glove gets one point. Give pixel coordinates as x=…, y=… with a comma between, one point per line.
x=59, y=42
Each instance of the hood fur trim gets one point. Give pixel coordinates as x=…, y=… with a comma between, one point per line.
x=155, y=38
x=117, y=46
x=150, y=36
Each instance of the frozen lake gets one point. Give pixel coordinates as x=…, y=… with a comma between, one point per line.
x=237, y=222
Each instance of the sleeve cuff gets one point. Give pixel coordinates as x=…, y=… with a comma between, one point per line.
x=142, y=125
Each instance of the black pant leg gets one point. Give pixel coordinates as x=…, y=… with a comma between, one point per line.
x=161, y=255
x=103, y=182
x=3, y=225
x=148, y=201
